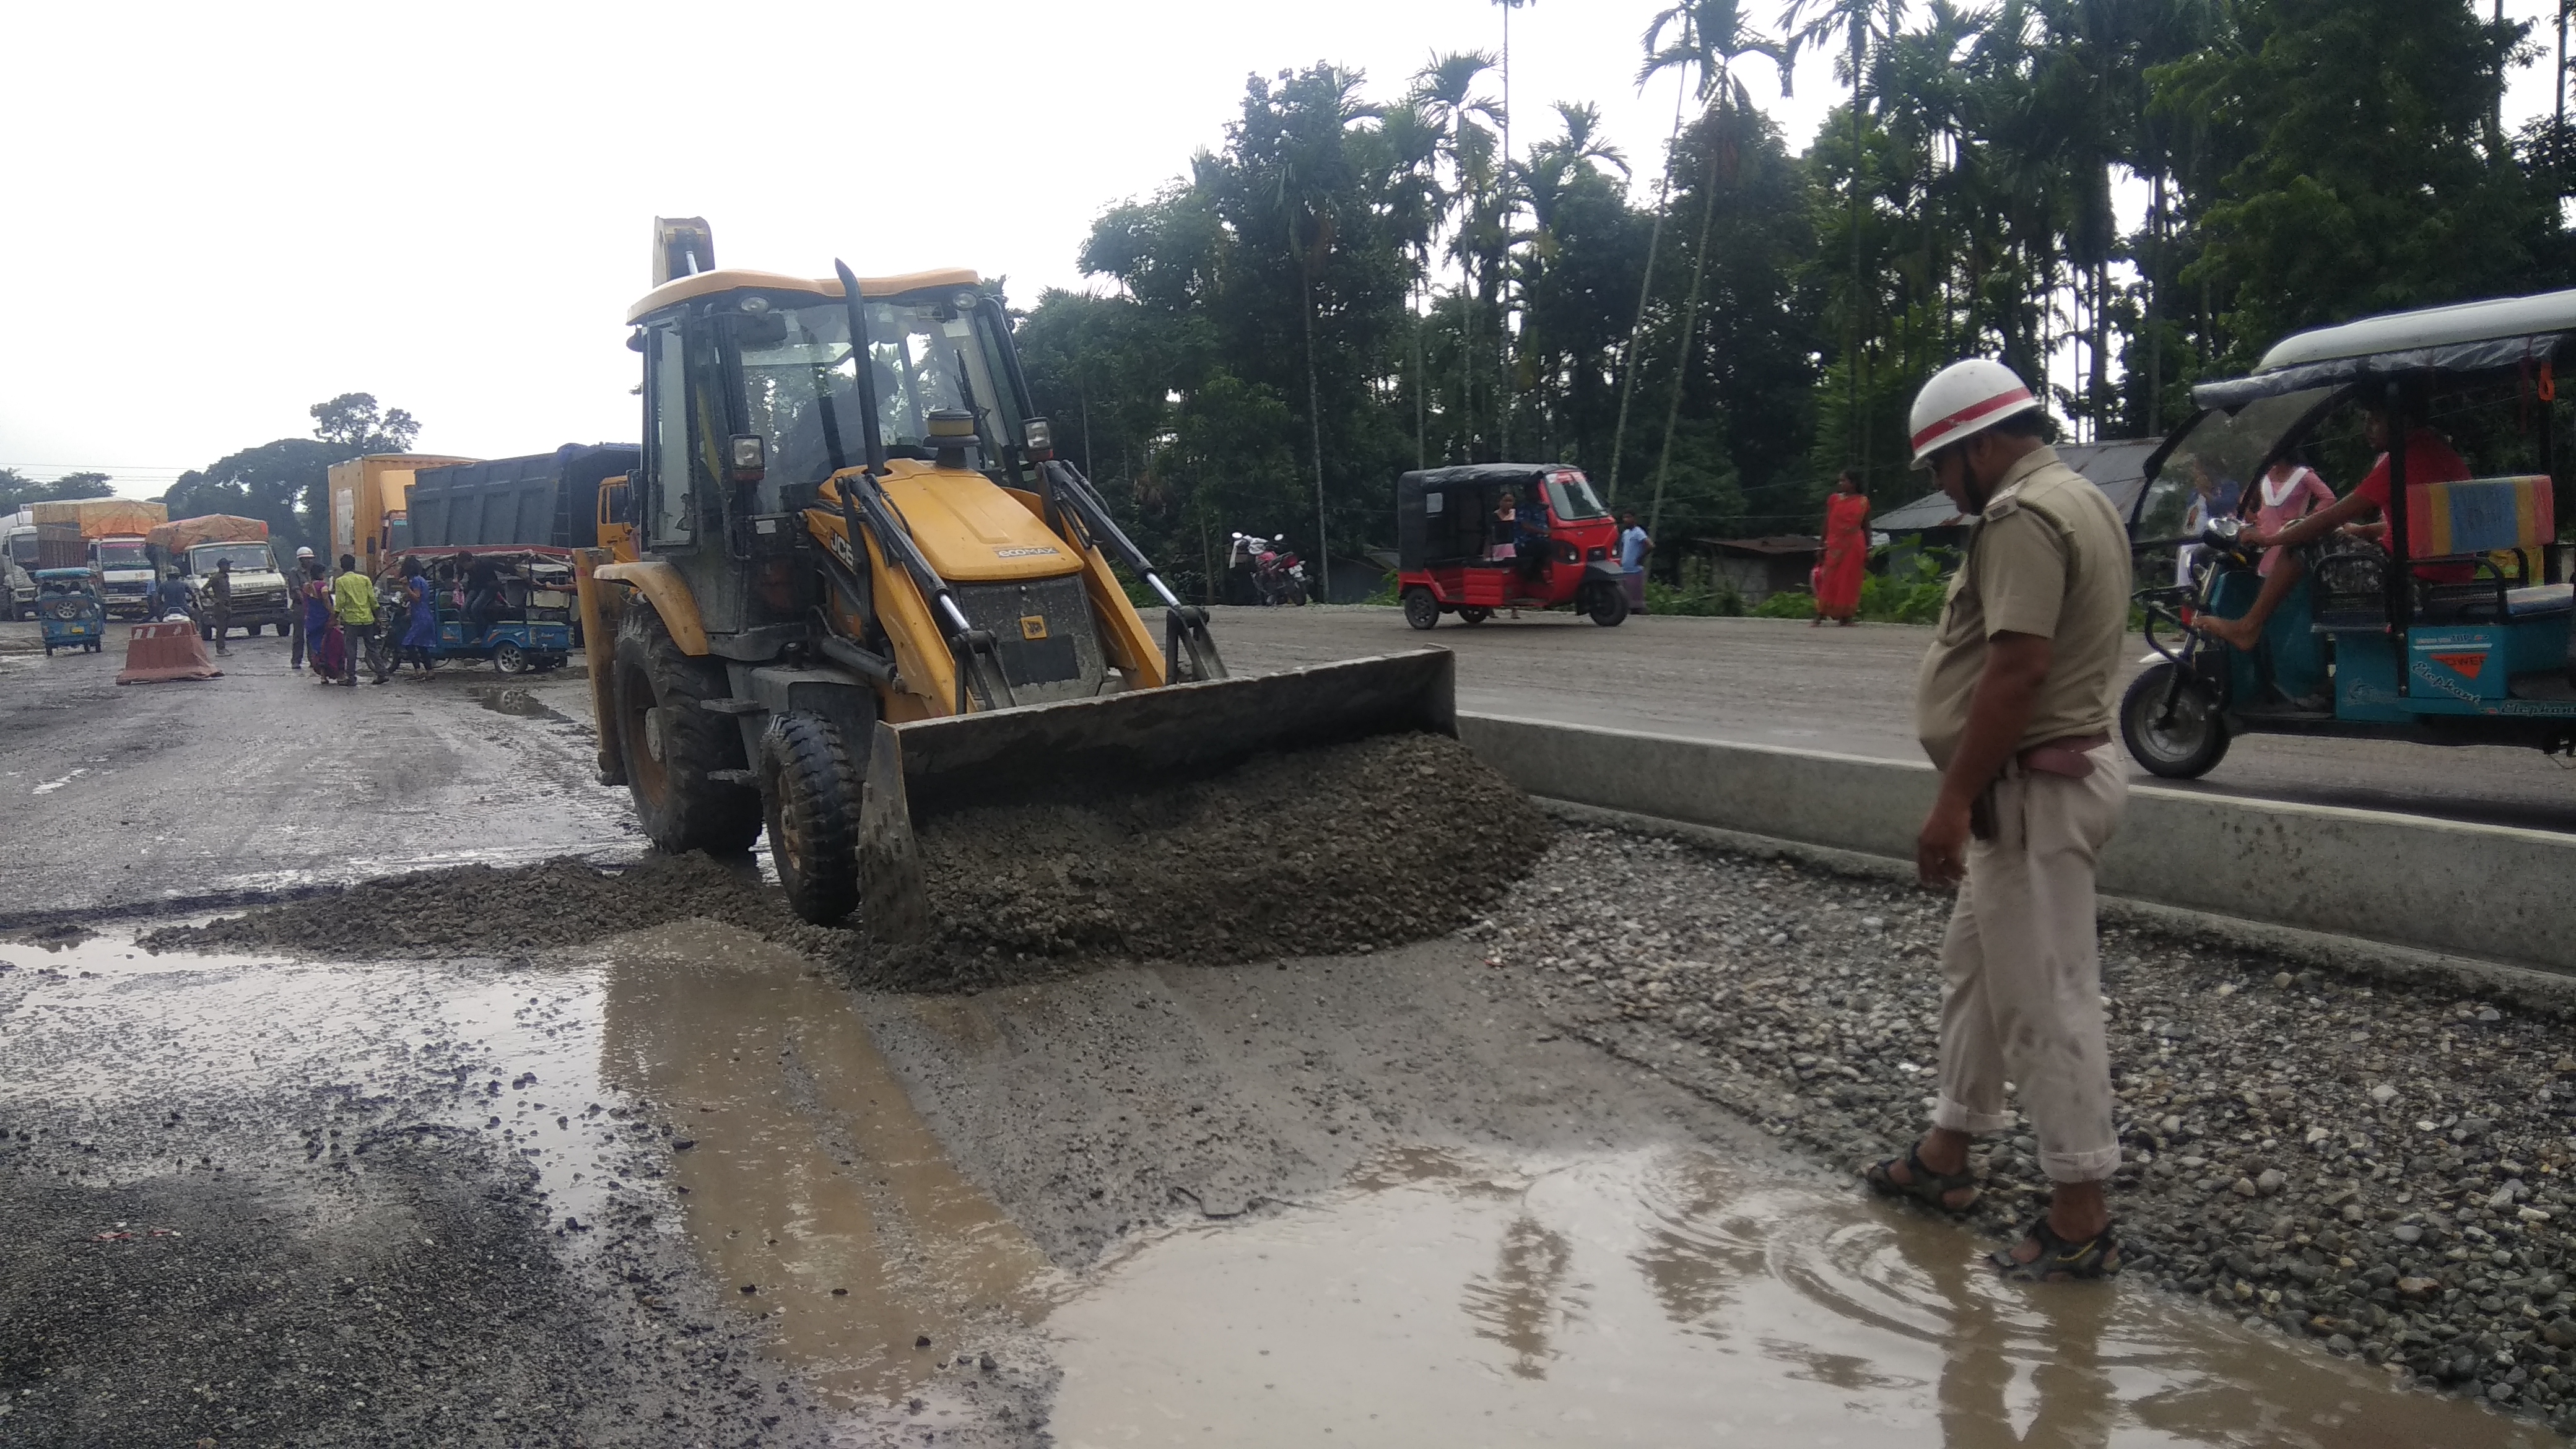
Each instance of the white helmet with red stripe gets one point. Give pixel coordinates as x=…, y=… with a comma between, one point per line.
x=1964, y=398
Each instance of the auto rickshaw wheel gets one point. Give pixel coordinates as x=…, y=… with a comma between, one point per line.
x=809, y=794
x=2184, y=743
x=672, y=748
x=1474, y=616
x=1605, y=605
x=1420, y=609
x=509, y=658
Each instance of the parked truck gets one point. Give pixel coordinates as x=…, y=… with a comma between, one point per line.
x=194, y=548
x=370, y=499
x=113, y=535
x=548, y=500
x=18, y=566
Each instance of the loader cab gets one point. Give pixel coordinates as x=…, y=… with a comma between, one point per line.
x=735, y=355
x=752, y=398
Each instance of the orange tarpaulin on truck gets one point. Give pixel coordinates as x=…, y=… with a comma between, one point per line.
x=103, y=517
x=186, y=533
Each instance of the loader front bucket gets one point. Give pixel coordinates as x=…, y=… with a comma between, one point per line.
x=1092, y=750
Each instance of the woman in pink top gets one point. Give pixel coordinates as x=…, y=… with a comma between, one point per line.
x=2289, y=492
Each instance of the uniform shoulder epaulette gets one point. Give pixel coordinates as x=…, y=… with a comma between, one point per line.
x=2004, y=504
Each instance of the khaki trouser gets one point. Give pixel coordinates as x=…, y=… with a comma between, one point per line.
x=2021, y=969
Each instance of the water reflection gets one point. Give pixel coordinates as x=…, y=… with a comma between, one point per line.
x=812, y=1188
x=1660, y=1296
x=1521, y=1303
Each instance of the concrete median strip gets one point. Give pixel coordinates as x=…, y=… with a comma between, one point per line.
x=2493, y=893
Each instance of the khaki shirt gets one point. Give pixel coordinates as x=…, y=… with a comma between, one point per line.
x=2049, y=557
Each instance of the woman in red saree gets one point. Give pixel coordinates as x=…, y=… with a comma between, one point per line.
x=1846, y=551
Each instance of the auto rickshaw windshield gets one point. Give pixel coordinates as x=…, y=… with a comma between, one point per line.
x=1570, y=498
x=2219, y=449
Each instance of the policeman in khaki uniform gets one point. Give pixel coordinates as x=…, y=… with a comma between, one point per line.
x=2014, y=705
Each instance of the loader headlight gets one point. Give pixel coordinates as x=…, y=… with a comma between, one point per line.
x=964, y=301
x=749, y=455
x=1039, y=435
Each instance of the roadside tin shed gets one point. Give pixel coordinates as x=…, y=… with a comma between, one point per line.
x=2118, y=468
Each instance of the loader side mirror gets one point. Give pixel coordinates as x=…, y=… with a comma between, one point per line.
x=747, y=455
x=1039, y=436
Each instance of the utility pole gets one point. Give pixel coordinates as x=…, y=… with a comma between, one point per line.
x=1503, y=281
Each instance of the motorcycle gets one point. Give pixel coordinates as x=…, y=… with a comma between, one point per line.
x=1278, y=576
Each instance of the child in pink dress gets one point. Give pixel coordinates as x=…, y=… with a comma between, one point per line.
x=2289, y=492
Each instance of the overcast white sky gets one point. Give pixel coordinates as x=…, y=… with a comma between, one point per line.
x=220, y=215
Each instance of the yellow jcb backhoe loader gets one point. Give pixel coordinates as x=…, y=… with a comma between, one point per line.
x=864, y=592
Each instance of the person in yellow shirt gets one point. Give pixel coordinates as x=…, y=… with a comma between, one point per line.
x=353, y=602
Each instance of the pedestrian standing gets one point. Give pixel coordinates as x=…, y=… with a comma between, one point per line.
x=297, y=630
x=353, y=603
x=2014, y=706
x=322, y=627
x=219, y=602
x=1635, y=547
x=1846, y=554
x=420, y=632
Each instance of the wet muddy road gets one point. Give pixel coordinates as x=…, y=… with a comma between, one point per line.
x=264, y=780
x=682, y=1186
x=678, y=1187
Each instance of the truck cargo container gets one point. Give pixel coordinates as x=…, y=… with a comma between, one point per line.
x=369, y=496
x=545, y=500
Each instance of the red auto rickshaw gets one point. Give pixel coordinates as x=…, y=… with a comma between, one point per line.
x=1455, y=555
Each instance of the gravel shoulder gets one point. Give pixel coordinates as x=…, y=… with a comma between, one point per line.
x=2377, y=1165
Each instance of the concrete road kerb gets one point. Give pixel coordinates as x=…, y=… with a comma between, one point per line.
x=2491, y=892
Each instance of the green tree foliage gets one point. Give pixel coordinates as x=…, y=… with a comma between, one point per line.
x=354, y=421
x=2347, y=175
x=1348, y=287
x=279, y=483
x=284, y=483
x=17, y=490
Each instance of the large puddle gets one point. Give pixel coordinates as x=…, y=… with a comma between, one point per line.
x=1656, y=1295
x=1659, y=1297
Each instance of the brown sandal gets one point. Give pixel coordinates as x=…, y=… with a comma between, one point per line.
x=1930, y=1188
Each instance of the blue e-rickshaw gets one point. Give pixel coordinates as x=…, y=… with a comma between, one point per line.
x=522, y=623
x=72, y=610
x=2454, y=630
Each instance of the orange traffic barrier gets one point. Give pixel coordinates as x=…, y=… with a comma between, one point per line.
x=166, y=651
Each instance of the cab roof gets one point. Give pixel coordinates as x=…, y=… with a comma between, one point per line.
x=707, y=284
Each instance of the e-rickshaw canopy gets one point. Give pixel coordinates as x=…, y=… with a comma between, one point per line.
x=2468, y=337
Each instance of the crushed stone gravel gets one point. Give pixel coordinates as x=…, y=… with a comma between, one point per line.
x=2378, y=1165
x=1373, y=843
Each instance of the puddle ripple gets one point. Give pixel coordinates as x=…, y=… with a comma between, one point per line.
x=1660, y=1296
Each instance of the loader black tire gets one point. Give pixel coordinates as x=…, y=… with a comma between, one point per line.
x=809, y=794
x=680, y=808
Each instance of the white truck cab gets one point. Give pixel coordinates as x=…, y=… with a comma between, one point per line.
x=17, y=566
x=124, y=568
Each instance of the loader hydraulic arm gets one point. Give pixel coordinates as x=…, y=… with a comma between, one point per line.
x=1184, y=625
x=861, y=494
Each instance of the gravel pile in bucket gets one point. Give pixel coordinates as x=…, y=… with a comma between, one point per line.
x=1391, y=839
x=1386, y=840
x=2378, y=1165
